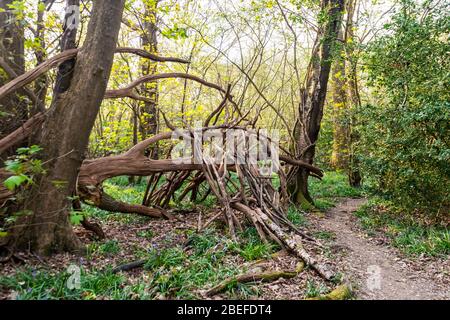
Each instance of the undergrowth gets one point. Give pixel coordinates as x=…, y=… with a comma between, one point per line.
x=404, y=230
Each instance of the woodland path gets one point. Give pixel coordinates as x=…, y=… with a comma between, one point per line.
x=361, y=258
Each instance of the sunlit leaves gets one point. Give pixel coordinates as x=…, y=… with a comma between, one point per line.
x=405, y=137
x=15, y=181
x=175, y=32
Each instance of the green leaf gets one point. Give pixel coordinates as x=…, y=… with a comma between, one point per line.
x=23, y=150
x=76, y=218
x=34, y=149
x=15, y=181
x=14, y=166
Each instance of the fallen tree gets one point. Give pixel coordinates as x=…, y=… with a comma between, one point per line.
x=266, y=276
x=252, y=197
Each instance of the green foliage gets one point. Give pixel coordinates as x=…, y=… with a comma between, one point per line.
x=166, y=258
x=252, y=247
x=76, y=217
x=147, y=234
x=325, y=235
x=177, y=273
x=23, y=166
x=333, y=185
x=314, y=290
x=254, y=251
x=406, y=232
x=175, y=32
x=296, y=216
x=110, y=247
x=405, y=136
x=32, y=284
x=15, y=181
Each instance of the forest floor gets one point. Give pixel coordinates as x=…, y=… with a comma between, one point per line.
x=182, y=262
x=377, y=270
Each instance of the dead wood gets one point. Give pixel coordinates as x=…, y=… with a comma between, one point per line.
x=129, y=266
x=266, y=276
x=21, y=133
x=94, y=227
x=254, y=195
x=30, y=76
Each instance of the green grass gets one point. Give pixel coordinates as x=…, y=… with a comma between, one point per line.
x=406, y=232
x=251, y=246
x=108, y=248
x=178, y=273
x=296, y=216
x=32, y=284
x=314, y=290
x=325, y=235
x=173, y=272
x=334, y=185
x=147, y=234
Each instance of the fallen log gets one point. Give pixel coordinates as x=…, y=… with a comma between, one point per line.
x=266, y=276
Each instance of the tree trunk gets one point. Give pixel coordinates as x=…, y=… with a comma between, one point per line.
x=41, y=84
x=68, y=41
x=65, y=137
x=354, y=175
x=14, y=110
x=307, y=127
x=149, y=114
x=340, y=106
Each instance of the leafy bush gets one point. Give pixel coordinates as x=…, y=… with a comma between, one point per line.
x=410, y=234
x=404, y=135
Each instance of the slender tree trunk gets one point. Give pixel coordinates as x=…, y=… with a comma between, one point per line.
x=340, y=107
x=13, y=109
x=354, y=175
x=65, y=137
x=41, y=84
x=68, y=41
x=149, y=113
x=345, y=99
x=307, y=127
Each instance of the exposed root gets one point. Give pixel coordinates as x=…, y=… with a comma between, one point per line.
x=94, y=227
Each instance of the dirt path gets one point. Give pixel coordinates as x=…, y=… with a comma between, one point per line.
x=378, y=271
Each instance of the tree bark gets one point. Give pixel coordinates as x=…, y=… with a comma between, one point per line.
x=149, y=113
x=354, y=175
x=41, y=84
x=307, y=127
x=68, y=41
x=14, y=110
x=65, y=137
x=340, y=107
